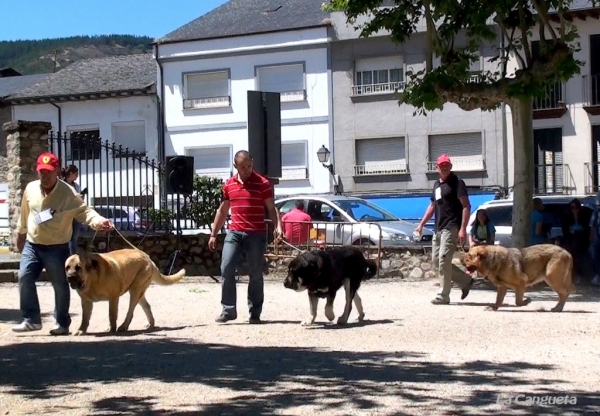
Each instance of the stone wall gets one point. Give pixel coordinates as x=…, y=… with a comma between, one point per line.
x=198, y=260
x=26, y=140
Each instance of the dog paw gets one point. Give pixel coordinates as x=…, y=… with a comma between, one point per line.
x=308, y=321
x=556, y=309
x=526, y=301
x=79, y=332
x=491, y=308
x=329, y=314
x=149, y=327
x=342, y=320
x=360, y=318
x=122, y=328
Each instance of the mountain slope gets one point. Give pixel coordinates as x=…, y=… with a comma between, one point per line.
x=50, y=55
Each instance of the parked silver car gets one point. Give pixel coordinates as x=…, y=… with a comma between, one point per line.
x=355, y=221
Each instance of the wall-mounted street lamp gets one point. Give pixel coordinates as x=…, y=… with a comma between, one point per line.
x=323, y=155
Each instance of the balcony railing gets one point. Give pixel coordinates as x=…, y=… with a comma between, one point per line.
x=376, y=89
x=462, y=164
x=554, y=98
x=591, y=178
x=591, y=92
x=551, y=179
x=382, y=168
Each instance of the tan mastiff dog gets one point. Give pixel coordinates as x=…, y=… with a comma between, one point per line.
x=511, y=268
x=100, y=277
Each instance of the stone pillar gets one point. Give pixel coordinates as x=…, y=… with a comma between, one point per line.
x=26, y=140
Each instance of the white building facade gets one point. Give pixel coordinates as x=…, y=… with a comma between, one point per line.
x=205, y=86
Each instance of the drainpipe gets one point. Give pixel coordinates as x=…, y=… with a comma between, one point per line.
x=59, y=117
x=160, y=104
x=504, y=134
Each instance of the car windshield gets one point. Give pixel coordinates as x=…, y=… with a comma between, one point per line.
x=363, y=211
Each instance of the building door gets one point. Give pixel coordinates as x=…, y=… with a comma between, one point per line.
x=595, y=158
x=548, y=157
x=595, y=69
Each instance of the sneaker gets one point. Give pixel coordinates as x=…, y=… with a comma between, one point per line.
x=440, y=301
x=225, y=317
x=59, y=330
x=596, y=280
x=254, y=320
x=466, y=290
x=27, y=326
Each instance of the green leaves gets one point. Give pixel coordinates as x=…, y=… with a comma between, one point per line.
x=204, y=201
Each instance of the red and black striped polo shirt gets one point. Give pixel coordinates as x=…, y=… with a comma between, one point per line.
x=247, y=202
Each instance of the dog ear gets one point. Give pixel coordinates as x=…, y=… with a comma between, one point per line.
x=91, y=263
x=482, y=255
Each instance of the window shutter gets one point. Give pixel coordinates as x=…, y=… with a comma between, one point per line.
x=282, y=78
x=207, y=85
x=293, y=154
x=390, y=150
x=455, y=145
x=211, y=161
x=132, y=136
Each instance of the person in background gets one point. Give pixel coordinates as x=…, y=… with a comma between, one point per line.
x=483, y=231
x=594, y=248
x=296, y=224
x=450, y=203
x=44, y=230
x=538, y=233
x=247, y=194
x=70, y=175
x=576, y=236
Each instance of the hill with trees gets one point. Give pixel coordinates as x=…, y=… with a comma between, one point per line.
x=51, y=55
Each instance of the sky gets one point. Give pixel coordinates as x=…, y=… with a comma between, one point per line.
x=43, y=19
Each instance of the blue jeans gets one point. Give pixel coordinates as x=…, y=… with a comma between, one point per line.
x=34, y=258
x=74, y=237
x=254, y=244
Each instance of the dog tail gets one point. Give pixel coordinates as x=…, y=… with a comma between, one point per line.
x=371, y=268
x=161, y=279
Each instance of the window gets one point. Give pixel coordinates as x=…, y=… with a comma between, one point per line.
x=465, y=150
x=211, y=161
x=287, y=206
x=548, y=156
x=206, y=90
x=379, y=76
x=385, y=156
x=500, y=216
x=84, y=145
x=131, y=136
x=288, y=80
x=294, y=164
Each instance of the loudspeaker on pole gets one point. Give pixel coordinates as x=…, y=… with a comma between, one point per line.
x=180, y=175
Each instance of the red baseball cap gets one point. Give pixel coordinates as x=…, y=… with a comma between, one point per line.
x=47, y=161
x=443, y=159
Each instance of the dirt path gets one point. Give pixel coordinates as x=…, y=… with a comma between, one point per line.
x=409, y=357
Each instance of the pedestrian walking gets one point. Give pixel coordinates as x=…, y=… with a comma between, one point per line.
x=70, y=175
x=450, y=204
x=48, y=208
x=247, y=194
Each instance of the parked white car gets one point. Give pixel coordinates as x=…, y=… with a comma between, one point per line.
x=355, y=221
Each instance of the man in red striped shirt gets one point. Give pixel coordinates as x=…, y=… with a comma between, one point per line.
x=246, y=194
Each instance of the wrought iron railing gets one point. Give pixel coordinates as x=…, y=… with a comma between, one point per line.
x=553, y=99
x=462, y=163
x=553, y=179
x=382, y=168
x=591, y=90
x=591, y=178
x=374, y=89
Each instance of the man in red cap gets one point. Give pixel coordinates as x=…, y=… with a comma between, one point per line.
x=44, y=229
x=450, y=204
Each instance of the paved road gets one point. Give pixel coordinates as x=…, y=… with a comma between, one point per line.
x=409, y=357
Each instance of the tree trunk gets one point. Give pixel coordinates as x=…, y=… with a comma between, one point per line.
x=522, y=123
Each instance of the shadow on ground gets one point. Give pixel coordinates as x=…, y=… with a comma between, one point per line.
x=267, y=380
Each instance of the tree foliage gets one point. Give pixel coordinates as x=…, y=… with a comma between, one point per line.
x=456, y=31
x=204, y=201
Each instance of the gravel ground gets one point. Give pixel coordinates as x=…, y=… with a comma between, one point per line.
x=408, y=357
